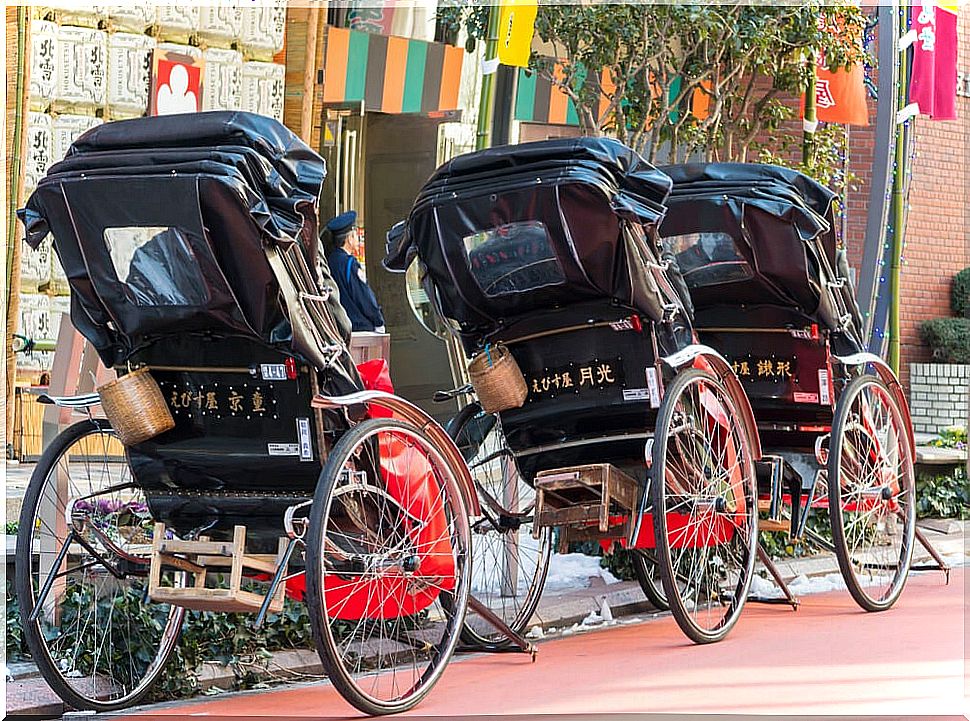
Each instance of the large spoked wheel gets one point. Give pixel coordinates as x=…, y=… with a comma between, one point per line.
x=388, y=565
x=647, y=571
x=83, y=551
x=872, y=500
x=705, y=515
x=509, y=567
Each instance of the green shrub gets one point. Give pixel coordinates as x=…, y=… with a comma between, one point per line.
x=943, y=495
x=16, y=646
x=960, y=294
x=949, y=339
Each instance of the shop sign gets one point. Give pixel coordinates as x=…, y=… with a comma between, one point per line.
x=176, y=83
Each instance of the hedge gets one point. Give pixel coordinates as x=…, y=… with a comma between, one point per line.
x=960, y=294
x=949, y=339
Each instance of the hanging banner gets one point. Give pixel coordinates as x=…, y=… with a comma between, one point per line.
x=517, y=21
x=933, y=82
x=840, y=96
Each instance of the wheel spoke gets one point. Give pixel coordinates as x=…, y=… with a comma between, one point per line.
x=704, y=504
x=82, y=611
x=387, y=565
x=871, y=493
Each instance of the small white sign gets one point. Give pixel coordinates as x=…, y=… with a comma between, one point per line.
x=273, y=371
x=283, y=449
x=823, y=387
x=653, y=385
x=306, y=444
x=635, y=394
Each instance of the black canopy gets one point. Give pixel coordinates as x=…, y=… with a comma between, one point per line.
x=759, y=234
x=515, y=229
x=167, y=225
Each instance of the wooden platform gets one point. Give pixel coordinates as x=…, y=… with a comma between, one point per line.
x=584, y=501
x=771, y=524
x=198, y=558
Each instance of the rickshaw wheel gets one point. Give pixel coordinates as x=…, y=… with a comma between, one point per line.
x=98, y=643
x=705, y=515
x=872, y=497
x=647, y=571
x=388, y=565
x=502, y=542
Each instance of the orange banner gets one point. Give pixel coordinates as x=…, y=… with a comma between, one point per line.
x=840, y=96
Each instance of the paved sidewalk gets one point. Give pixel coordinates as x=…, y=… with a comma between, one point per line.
x=830, y=659
x=560, y=613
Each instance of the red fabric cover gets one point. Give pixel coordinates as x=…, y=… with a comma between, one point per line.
x=376, y=375
x=409, y=478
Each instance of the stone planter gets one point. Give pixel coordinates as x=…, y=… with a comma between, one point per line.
x=938, y=395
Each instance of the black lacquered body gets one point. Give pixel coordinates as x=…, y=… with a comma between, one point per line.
x=245, y=444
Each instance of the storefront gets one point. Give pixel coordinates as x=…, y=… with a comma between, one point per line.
x=393, y=109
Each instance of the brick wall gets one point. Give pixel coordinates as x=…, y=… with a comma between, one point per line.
x=937, y=242
x=938, y=396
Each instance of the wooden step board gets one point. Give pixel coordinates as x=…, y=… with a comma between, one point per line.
x=771, y=524
x=198, y=558
x=582, y=499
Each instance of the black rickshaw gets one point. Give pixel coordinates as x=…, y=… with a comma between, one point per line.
x=190, y=246
x=626, y=429
x=772, y=292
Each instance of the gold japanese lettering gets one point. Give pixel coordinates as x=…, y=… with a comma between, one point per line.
x=783, y=368
x=174, y=400
x=567, y=380
x=235, y=402
x=586, y=374
x=535, y=386
x=211, y=402
x=258, y=406
x=545, y=384
x=604, y=374
x=745, y=370
x=765, y=368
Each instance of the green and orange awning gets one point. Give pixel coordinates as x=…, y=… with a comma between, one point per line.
x=391, y=74
x=538, y=100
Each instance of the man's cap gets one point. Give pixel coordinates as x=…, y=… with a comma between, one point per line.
x=342, y=222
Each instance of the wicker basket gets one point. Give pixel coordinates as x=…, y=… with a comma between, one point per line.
x=497, y=379
x=135, y=406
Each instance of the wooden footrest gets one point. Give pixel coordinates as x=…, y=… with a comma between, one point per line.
x=771, y=524
x=198, y=558
x=584, y=497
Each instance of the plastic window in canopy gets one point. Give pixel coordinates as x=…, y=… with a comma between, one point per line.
x=708, y=258
x=156, y=266
x=512, y=258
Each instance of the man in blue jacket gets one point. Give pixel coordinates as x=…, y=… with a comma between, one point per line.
x=355, y=295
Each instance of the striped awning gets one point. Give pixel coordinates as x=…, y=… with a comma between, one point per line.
x=538, y=100
x=391, y=74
